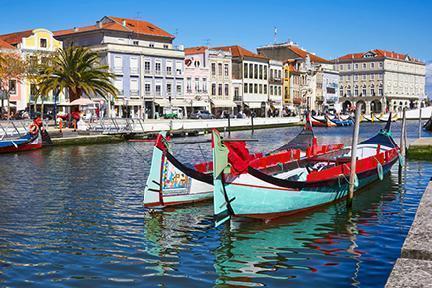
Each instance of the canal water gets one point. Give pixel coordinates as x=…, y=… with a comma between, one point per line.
x=73, y=217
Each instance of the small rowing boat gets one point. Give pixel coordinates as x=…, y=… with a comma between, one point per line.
x=309, y=182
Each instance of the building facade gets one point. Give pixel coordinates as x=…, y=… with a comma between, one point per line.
x=330, y=89
x=35, y=46
x=197, y=76
x=304, y=71
x=149, y=68
x=275, y=87
x=252, y=71
x=381, y=80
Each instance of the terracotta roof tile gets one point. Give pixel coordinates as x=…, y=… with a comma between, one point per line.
x=379, y=54
x=238, y=51
x=15, y=38
x=195, y=50
x=303, y=53
x=5, y=45
x=116, y=24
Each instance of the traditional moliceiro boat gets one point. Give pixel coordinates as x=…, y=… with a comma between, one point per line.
x=171, y=182
x=309, y=182
x=30, y=141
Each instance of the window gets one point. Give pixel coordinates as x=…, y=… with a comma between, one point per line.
x=226, y=89
x=348, y=66
x=165, y=46
x=372, y=65
x=364, y=65
x=237, y=92
x=372, y=76
x=136, y=43
x=271, y=90
x=197, y=85
x=250, y=71
x=356, y=91
x=213, y=89
x=245, y=88
x=158, y=90
x=147, y=89
x=134, y=65
x=226, y=70
x=381, y=64
x=341, y=91
x=169, y=68
x=380, y=90
x=220, y=69
x=12, y=86
x=213, y=69
x=179, y=89
x=204, y=85
x=256, y=88
x=279, y=89
x=188, y=84
x=260, y=88
x=134, y=90
x=179, y=68
x=260, y=72
x=147, y=67
x=364, y=91
x=349, y=91
x=151, y=45
x=341, y=67
x=158, y=66
x=364, y=76
x=256, y=71
x=43, y=43
x=220, y=89
x=355, y=77
x=265, y=88
x=169, y=89
x=118, y=83
x=372, y=90
x=356, y=66
x=250, y=88
x=245, y=70
x=118, y=63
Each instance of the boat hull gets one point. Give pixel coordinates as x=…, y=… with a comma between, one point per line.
x=26, y=143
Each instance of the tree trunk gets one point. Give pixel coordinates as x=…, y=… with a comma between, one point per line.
x=74, y=96
x=8, y=98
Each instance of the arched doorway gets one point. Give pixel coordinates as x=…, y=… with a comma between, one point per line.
x=376, y=106
x=346, y=106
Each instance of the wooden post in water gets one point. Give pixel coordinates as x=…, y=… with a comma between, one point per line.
x=403, y=134
x=229, y=125
x=420, y=121
x=252, y=121
x=355, y=137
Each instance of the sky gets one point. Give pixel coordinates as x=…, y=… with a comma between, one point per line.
x=328, y=28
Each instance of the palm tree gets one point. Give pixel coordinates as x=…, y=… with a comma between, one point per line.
x=78, y=71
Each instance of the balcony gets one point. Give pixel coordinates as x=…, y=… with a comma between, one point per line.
x=134, y=71
x=134, y=93
x=147, y=71
x=148, y=93
x=117, y=70
x=158, y=72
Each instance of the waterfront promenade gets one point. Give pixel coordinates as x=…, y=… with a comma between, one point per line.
x=414, y=267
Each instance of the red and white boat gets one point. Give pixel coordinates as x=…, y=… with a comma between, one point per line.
x=30, y=141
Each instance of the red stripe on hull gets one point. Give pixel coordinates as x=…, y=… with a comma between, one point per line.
x=24, y=147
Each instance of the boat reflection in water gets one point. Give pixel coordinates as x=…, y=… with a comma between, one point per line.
x=317, y=247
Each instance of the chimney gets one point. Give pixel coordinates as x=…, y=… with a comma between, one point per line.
x=76, y=29
x=99, y=24
x=124, y=23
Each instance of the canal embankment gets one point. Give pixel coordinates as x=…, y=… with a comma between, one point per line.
x=420, y=149
x=414, y=267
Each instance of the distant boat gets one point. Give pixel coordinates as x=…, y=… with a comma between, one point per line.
x=30, y=141
x=428, y=125
x=310, y=182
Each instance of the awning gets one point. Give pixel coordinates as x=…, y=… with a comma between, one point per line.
x=128, y=102
x=253, y=105
x=174, y=103
x=223, y=103
x=195, y=103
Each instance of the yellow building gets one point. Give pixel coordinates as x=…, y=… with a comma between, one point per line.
x=35, y=45
x=287, y=99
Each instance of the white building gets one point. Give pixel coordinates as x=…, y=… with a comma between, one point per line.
x=330, y=88
x=381, y=80
x=275, y=87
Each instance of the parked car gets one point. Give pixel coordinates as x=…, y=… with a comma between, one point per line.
x=173, y=113
x=202, y=114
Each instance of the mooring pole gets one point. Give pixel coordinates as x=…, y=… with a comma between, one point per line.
x=252, y=122
x=229, y=125
x=355, y=137
x=420, y=121
x=402, y=145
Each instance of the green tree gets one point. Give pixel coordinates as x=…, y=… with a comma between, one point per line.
x=12, y=68
x=78, y=71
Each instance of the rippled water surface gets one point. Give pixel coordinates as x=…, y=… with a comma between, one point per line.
x=73, y=216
